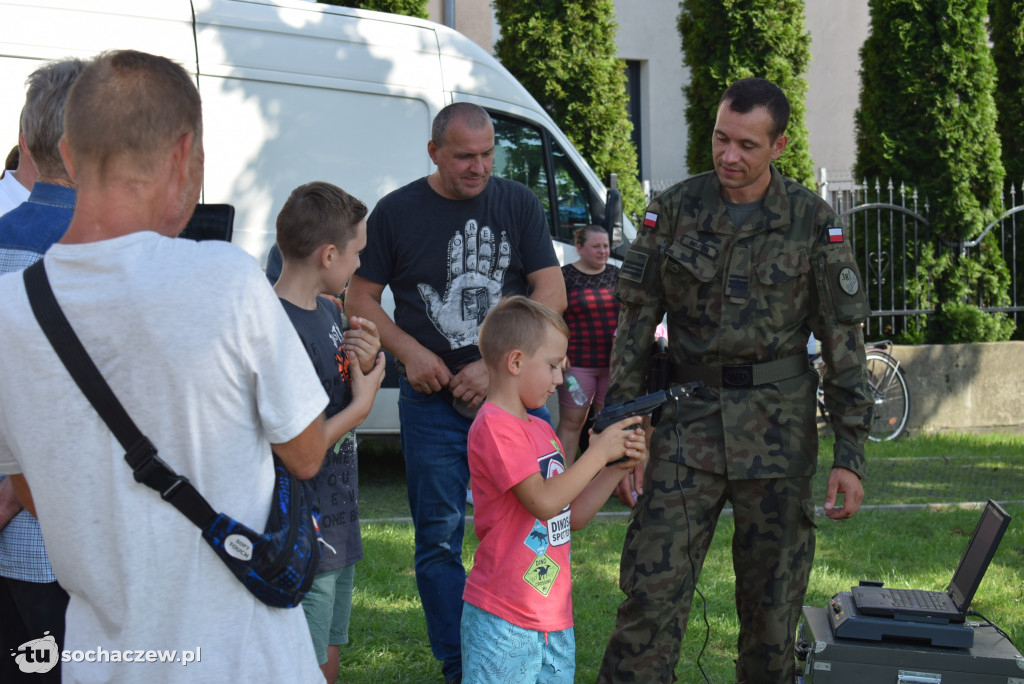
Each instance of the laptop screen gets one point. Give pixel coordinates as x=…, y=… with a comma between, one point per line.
x=210, y=222
x=978, y=554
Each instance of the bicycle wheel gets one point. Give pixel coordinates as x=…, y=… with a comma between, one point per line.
x=892, y=398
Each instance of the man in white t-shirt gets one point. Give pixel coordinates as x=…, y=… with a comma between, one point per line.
x=194, y=343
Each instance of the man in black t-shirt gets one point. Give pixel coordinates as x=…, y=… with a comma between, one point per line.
x=450, y=246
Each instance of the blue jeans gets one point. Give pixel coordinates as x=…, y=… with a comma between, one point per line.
x=436, y=475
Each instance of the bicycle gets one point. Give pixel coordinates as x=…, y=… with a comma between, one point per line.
x=888, y=387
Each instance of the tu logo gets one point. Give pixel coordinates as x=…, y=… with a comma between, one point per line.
x=37, y=656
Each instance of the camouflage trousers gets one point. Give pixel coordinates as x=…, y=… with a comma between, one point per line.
x=666, y=543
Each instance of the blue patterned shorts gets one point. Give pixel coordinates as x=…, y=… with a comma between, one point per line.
x=494, y=650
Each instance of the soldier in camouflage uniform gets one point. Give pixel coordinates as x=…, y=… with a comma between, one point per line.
x=745, y=264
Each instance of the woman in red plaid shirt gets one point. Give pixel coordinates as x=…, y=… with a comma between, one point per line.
x=592, y=316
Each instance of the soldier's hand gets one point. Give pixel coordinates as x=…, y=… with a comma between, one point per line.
x=632, y=485
x=843, y=481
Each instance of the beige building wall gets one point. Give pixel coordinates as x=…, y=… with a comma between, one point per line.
x=838, y=29
x=473, y=18
x=647, y=33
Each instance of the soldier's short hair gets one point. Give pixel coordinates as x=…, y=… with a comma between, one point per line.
x=747, y=93
x=317, y=214
x=516, y=323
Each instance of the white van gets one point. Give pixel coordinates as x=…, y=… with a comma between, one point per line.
x=295, y=91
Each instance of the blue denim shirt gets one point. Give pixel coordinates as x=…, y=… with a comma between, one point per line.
x=26, y=232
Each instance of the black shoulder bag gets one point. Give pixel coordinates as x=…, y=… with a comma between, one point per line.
x=278, y=565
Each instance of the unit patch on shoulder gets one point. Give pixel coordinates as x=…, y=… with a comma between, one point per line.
x=848, y=281
x=634, y=266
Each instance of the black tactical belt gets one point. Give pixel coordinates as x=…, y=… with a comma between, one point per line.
x=742, y=375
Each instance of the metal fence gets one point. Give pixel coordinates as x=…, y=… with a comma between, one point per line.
x=889, y=230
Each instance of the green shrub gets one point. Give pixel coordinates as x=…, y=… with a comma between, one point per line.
x=962, y=323
x=964, y=284
x=920, y=291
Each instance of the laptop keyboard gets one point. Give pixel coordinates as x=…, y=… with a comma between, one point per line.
x=914, y=598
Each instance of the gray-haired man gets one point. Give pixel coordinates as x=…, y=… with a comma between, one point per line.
x=31, y=600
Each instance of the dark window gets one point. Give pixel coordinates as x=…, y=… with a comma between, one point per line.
x=519, y=154
x=573, y=195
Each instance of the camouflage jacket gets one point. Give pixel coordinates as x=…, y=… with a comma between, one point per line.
x=746, y=296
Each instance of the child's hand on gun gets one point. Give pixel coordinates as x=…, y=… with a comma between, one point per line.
x=623, y=444
x=362, y=339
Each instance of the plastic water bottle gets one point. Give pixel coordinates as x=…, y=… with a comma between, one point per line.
x=575, y=391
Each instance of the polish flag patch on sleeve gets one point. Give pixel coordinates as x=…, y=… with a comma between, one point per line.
x=835, y=234
x=650, y=219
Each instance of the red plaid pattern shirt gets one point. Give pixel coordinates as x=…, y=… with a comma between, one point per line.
x=592, y=315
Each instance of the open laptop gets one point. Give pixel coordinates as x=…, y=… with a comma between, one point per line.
x=937, y=606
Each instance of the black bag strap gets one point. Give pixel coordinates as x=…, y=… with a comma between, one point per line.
x=141, y=455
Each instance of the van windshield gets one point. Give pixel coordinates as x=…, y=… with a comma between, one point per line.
x=519, y=154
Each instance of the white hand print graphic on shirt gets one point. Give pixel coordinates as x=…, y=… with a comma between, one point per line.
x=475, y=277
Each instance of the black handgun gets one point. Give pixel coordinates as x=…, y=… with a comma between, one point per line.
x=641, y=406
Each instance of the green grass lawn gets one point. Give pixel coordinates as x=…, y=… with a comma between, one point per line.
x=904, y=546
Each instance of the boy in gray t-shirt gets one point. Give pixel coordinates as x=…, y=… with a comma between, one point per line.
x=320, y=232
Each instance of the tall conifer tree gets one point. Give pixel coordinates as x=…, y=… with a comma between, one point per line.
x=563, y=52
x=725, y=40
x=1006, y=28
x=927, y=114
x=927, y=117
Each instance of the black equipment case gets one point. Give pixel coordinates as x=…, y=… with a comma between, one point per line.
x=830, y=660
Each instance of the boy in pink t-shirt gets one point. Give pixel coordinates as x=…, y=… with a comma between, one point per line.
x=517, y=619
